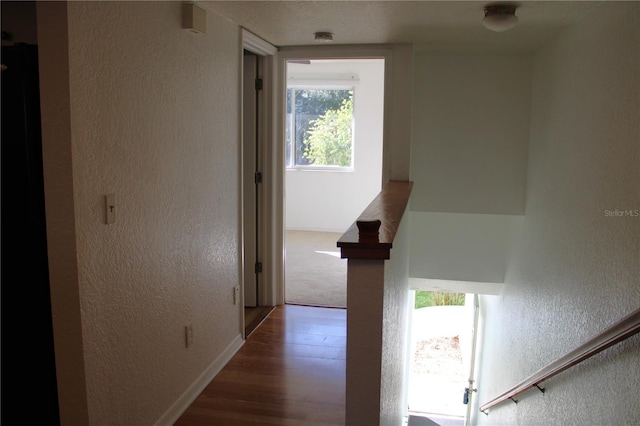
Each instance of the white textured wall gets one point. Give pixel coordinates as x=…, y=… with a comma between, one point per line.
x=378, y=308
x=365, y=316
x=326, y=200
x=460, y=247
x=395, y=329
x=154, y=119
x=470, y=132
x=574, y=269
x=468, y=163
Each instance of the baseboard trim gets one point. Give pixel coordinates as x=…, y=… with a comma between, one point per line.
x=186, y=399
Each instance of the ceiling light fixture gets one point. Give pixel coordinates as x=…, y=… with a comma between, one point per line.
x=500, y=17
x=323, y=36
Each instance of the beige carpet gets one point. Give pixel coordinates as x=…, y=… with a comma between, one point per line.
x=314, y=272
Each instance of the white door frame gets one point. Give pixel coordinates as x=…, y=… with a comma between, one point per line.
x=398, y=84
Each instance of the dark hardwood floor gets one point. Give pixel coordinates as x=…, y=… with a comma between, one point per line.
x=290, y=371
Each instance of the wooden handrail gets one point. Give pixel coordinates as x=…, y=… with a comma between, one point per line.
x=621, y=330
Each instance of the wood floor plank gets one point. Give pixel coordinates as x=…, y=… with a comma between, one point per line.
x=290, y=371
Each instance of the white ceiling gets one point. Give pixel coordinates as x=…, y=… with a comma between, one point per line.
x=437, y=25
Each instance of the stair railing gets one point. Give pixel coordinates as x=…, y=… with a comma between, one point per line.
x=621, y=330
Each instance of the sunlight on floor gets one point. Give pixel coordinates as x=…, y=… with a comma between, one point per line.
x=330, y=253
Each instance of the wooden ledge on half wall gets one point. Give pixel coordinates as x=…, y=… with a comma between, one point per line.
x=371, y=235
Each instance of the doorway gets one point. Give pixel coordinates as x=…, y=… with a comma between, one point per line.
x=442, y=357
x=333, y=168
x=257, y=117
x=251, y=175
x=25, y=288
x=252, y=132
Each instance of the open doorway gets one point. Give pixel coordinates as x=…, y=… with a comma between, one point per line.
x=333, y=168
x=257, y=116
x=253, y=196
x=443, y=347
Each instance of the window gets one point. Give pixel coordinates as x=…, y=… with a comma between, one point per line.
x=319, y=127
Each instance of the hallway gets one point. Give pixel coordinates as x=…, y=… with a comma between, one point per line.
x=290, y=371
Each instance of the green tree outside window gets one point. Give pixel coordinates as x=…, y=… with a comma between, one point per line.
x=328, y=142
